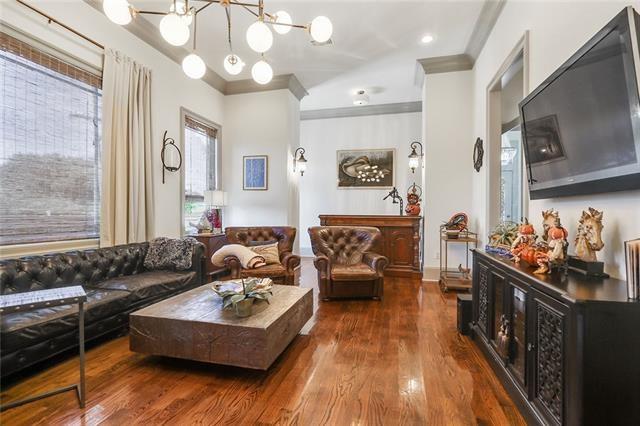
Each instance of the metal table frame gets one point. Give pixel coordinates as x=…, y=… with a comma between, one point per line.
x=452, y=278
x=27, y=301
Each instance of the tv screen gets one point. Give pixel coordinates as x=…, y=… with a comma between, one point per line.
x=581, y=127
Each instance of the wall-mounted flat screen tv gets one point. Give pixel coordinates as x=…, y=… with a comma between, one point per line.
x=581, y=126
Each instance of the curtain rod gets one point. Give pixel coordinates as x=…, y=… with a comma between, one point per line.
x=66, y=27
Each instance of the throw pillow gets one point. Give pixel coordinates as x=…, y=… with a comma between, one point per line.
x=269, y=252
x=169, y=253
x=248, y=259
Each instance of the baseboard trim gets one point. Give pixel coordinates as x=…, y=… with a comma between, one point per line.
x=431, y=273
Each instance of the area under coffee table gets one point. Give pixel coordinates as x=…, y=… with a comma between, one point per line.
x=193, y=325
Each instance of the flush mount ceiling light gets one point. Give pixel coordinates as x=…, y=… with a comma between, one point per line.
x=427, y=38
x=176, y=21
x=360, y=98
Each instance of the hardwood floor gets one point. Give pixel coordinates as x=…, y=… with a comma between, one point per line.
x=359, y=362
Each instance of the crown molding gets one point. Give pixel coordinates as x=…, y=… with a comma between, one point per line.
x=359, y=111
x=440, y=64
x=285, y=81
x=147, y=32
x=487, y=19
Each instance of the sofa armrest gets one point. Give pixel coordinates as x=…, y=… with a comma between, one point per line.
x=289, y=260
x=198, y=262
x=233, y=264
x=376, y=262
x=323, y=265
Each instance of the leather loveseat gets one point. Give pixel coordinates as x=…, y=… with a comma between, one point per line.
x=116, y=284
x=346, y=267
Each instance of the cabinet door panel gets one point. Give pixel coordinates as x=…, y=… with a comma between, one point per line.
x=517, y=313
x=497, y=302
x=399, y=246
x=549, y=334
x=482, y=296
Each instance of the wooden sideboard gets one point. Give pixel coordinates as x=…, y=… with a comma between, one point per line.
x=212, y=243
x=400, y=243
x=566, y=347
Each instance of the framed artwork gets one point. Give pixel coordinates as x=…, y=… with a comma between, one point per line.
x=366, y=168
x=255, y=171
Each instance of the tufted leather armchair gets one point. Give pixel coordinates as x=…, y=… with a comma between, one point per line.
x=116, y=284
x=346, y=267
x=287, y=273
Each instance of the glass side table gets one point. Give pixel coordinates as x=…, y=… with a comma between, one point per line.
x=19, y=302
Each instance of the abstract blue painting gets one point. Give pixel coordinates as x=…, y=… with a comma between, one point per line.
x=255, y=170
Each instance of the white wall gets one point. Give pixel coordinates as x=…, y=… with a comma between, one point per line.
x=170, y=88
x=319, y=193
x=447, y=101
x=262, y=123
x=556, y=31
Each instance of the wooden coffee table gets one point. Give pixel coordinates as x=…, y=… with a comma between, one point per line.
x=193, y=325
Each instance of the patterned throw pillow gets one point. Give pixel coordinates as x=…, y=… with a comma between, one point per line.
x=269, y=252
x=168, y=253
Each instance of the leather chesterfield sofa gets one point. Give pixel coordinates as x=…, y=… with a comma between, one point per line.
x=116, y=284
x=346, y=267
x=287, y=272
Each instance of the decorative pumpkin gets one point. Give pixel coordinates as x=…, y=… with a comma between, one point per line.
x=558, y=233
x=526, y=228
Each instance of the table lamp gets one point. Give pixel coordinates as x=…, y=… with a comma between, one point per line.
x=214, y=200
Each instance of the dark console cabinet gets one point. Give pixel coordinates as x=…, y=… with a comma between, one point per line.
x=566, y=348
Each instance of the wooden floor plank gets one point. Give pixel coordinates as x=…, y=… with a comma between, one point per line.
x=360, y=362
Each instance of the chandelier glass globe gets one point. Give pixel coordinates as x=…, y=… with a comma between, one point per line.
x=321, y=29
x=117, y=11
x=174, y=29
x=259, y=37
x=262, y=72
x=233, y=64
x=193, y=66
x=282, y=17
x=181, y=8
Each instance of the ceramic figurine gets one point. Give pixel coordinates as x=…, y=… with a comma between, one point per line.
x=549, y=218
x=589, y=238
x=525, y=239
x=557, y=241
x=413, y=200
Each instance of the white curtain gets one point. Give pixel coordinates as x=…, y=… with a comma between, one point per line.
x=126, y=210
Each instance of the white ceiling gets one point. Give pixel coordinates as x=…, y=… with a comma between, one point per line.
x=376, y=44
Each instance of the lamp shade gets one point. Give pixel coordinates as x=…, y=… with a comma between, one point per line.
x=215, y=198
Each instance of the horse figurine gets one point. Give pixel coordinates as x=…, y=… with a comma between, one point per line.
x=589, y=236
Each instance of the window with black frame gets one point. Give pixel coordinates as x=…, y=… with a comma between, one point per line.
x=50, y=134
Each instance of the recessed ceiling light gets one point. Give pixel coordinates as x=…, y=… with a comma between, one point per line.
x=427, y=38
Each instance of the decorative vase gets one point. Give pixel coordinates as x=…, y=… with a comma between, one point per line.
x=244, y=308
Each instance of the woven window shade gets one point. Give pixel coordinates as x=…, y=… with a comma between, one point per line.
x=50, y=132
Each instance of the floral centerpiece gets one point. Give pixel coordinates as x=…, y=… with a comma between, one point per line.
x=240, y=294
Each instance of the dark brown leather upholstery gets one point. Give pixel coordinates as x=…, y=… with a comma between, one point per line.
x=345, y=266
x=287, y=273
x=116, y=284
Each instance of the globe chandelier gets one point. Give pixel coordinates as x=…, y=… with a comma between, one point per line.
x=175, y=28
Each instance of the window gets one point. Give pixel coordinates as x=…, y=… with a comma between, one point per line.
x=200, y=168
x=49, y=148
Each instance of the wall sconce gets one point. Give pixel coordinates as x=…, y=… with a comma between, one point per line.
x=414, y=157
x=299, y=162
x=170, y=161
